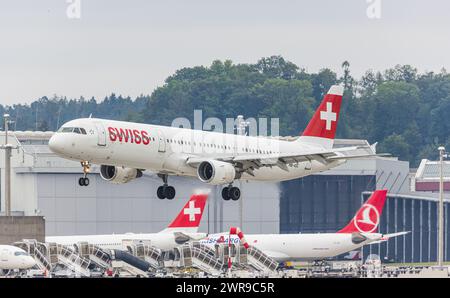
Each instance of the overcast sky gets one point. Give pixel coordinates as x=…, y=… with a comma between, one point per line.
x=130, y=47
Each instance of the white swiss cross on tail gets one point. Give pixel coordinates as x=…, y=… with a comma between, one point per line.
x=188, y=220
x=328, y=115
x=192, y=211
x=322, y=127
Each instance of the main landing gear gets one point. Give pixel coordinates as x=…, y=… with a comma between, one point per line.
x=165, y=191
x=231, y=193
x=84, y=181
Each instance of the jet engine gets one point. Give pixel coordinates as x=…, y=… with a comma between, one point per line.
x=358, y=238
x=119, y=175
x=216, y=172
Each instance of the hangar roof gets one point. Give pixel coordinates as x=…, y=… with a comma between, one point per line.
x=430, y=170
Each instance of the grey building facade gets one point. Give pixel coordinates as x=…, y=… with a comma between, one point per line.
x=417, y=213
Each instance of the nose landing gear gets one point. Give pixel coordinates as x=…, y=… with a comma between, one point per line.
x=231, y=193
x=84, y=181
x=165, y=191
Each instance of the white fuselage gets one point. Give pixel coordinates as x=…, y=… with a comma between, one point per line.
x=165, y=149
x=163, y=241
x=296, y=247
x=12, y=257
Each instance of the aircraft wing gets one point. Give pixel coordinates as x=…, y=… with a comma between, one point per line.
x=249, y=162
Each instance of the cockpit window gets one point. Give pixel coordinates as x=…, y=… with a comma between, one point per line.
x=78, y=130
x=66, y=129
x=20, y=253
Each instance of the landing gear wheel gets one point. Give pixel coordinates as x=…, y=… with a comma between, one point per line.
x=160, y=193
x=169, y=192
x=84, y=181
x=165, y=191
x=225, y=192
x=234, y=193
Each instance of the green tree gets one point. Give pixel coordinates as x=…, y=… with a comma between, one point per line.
x=396, y=145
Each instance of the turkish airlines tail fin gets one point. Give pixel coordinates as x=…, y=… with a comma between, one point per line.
x=321, y=128
x=367, y=219
x=188, y=220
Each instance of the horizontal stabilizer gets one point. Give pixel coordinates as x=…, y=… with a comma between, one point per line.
x=386, y=237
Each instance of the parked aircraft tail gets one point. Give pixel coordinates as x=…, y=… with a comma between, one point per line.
x=188, y=220
x=367, y=219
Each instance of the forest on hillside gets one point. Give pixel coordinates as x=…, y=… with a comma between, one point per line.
x=406, y=112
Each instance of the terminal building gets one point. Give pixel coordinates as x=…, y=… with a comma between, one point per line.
x=44, y=184
x=428, y=175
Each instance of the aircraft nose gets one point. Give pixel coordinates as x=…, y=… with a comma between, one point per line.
x=55, y=144
x=30, y=262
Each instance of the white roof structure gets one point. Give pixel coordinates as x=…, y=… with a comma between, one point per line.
x=430, y=170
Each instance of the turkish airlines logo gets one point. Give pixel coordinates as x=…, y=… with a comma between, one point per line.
x=191, y=211
x=367, y=220
x=328, y=115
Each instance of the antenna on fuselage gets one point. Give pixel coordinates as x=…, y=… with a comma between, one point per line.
x=90, y=115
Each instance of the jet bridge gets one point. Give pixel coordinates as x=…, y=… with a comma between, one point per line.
x=145, y=251
x=260, y=261
x=94, y=253
x=34, y=249
x=199, y=256
x=246, y=257
x=72, y=260
x=49, y=255
x=122, y=260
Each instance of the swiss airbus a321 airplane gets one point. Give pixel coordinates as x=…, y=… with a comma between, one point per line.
x=360, y=231
x=183, y=229
x=124, y=150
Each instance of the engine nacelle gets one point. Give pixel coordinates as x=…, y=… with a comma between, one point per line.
x=216, y=172
x=119, y=175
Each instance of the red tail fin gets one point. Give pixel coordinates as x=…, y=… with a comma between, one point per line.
x=321, y=128
x=368, y=216
x=190, y=216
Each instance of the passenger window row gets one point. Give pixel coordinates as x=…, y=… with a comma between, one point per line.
x=209, y=145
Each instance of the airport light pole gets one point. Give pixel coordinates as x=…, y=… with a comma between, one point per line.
x=7, y=148
x=241, y=130
x=442, y=154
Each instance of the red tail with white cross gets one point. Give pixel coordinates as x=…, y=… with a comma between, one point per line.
x=322, y=127
x=188, y=220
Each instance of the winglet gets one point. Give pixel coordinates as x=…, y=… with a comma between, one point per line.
x=367, y=219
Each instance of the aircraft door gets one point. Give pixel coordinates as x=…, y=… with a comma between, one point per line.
x=101, y=134
x=161, y=142
x=4, y=255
